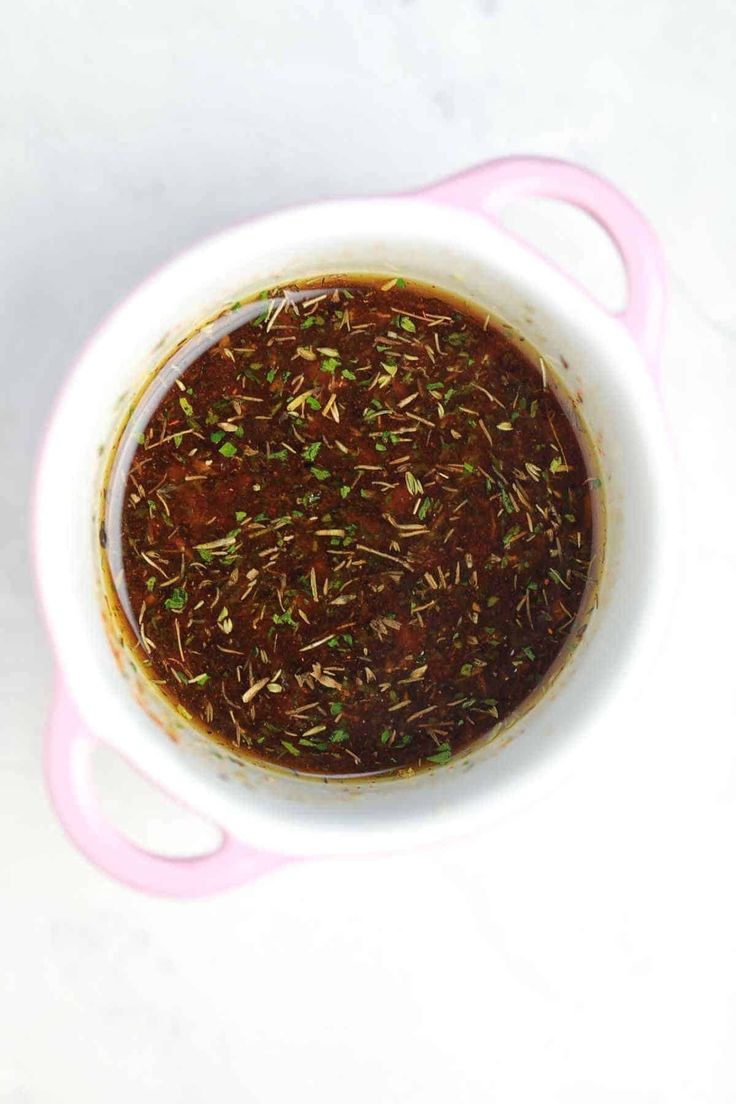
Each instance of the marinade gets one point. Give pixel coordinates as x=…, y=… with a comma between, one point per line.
x=356, y=531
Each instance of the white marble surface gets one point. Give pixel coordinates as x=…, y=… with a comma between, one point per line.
x=584, y=952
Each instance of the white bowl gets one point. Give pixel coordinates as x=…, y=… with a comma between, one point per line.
x=435, y=236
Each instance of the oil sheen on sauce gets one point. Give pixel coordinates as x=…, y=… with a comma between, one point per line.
x=354, y=533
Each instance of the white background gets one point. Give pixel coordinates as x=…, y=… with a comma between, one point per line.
x=582, y=953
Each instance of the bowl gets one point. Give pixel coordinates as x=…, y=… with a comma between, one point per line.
x=446, y=235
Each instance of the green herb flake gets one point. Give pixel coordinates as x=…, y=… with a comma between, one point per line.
x=200, y=680
x=339, y=736
x=442, y=755
x=407, y=324
x=413, y=486
x=290, y=747
x=509, y=536
x=150, y=583
x=310, y=451
x=344, y=491
x=335, y=708
x=506, y=501
x=176, y=600
x=186, y=406
x=320, y=473
x=228, y=449
x=284, y=619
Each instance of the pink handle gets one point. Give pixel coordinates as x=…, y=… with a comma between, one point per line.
x=490, y=187
x=69, y=747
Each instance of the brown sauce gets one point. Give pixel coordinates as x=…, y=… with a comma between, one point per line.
x=356, y=532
